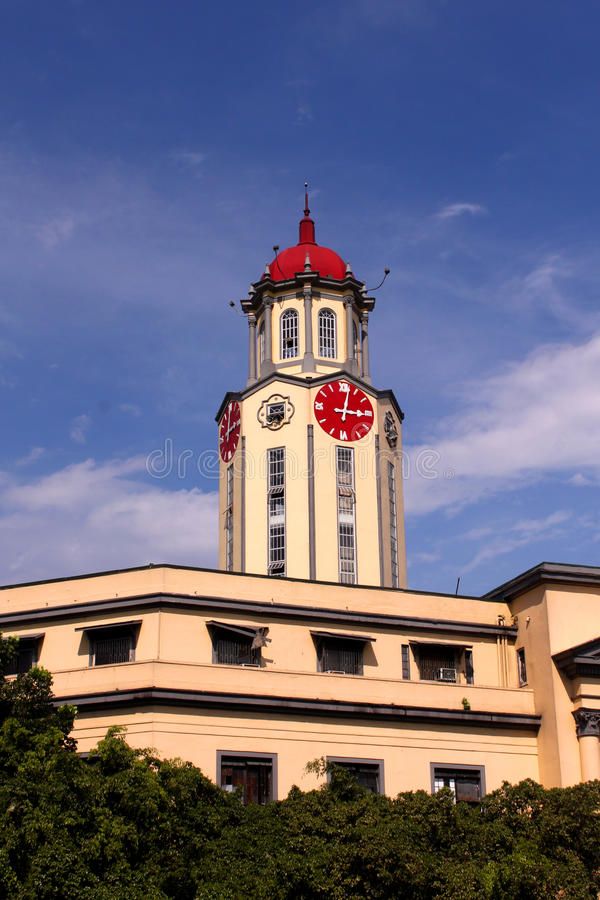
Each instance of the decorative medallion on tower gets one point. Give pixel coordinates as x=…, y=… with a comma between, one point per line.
x=391, y=430
x=229, y=430
x=343, y=411
x=275, y=411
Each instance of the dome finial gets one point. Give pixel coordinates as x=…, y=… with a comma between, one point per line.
x=307, y=225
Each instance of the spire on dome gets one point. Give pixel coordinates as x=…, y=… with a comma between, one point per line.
x=307, y=225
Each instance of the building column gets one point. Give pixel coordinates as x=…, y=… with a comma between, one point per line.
x=308, y=362
x=364, y=343
x=267, y=364
x=588, y=734
x=251, y=348
x=350, y=360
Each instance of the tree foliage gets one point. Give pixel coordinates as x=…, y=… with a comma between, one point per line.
x=124, y=824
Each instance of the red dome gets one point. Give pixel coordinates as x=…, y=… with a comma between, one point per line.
x=323, y=260
x=327, y=262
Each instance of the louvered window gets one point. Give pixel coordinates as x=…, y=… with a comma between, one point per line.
x=276, y=511
x=393, y=523
x=346, y=501
x=229, y=521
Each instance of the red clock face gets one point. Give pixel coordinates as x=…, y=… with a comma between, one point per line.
x=229, y=430
x=344, y=411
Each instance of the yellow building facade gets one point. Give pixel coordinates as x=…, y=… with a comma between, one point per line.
x=307, y=641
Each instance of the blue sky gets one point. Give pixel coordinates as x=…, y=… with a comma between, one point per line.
x=152, y=153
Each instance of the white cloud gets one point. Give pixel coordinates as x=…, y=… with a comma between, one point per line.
x=55, y=231
x=520, y=534
x=34, y=454
x=131, y=409
x=94, y=516
x=537, y=418
x=453, y=210
x=79, y=428
x=191, y=159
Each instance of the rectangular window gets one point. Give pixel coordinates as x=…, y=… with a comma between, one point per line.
x=251, y=774
x=26, y=656
x=393, y=523
x=343, y=656
x=469, y=671
x=522, y=667
x=405, y=661
x=111, y=646
x=235, y=645
x=466, y=783
x=368, y=773
x=276, y=511
x=327, y=341
x=229, y=521
x=437, y=662
x=346, y=502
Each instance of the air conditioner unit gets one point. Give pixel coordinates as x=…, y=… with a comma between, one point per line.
x=334, y=672
x=447, y=675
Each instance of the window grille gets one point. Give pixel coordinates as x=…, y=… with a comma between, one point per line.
x=346, y=502
x=276, y=510
x=234, y=650
x=327, y=334
x=289, y=334
x=111, y=647
x=436, y=662
x=465, y=784
x=252, y=776
x=393, y=523
x=229, y=521
x=338, y=655
x=405, y=661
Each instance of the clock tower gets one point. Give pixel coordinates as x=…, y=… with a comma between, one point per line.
x=309, y=451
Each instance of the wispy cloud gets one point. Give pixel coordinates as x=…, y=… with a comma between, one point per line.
x=454, y=210
x=538, y=417
x=34, y=454
x=520, y=534
x=189, y=159
x=55, y=231
x=93, y=516
x=130, y=409
x=79, y=428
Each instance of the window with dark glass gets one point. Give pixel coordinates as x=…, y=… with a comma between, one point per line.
x=405, y=661
x=237, y=645
x=112, y=644
x=251, y=775
x=26, y=655
x=341, y=654
x=465, y=783
x=444, y=662
x=368, y=774
x=522, y=666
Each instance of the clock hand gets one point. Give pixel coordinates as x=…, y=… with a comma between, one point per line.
x=345, y=409
x=349, y=412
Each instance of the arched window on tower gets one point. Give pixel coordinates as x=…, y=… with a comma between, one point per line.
x=261, y=342
x=289, y=334
x=327, y=335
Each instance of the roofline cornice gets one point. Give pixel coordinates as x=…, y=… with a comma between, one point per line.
x=192, y=602
x=300, y=706
x=545, y=573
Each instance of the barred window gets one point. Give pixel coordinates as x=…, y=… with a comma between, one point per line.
x=289, y=334
x=393, y=523
x=437, y=662
x=346, y=502
x=111, y=646
x=276, y=510
x=327, y=334
x=261, y=342
x=25, y=656
x=229, y=521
